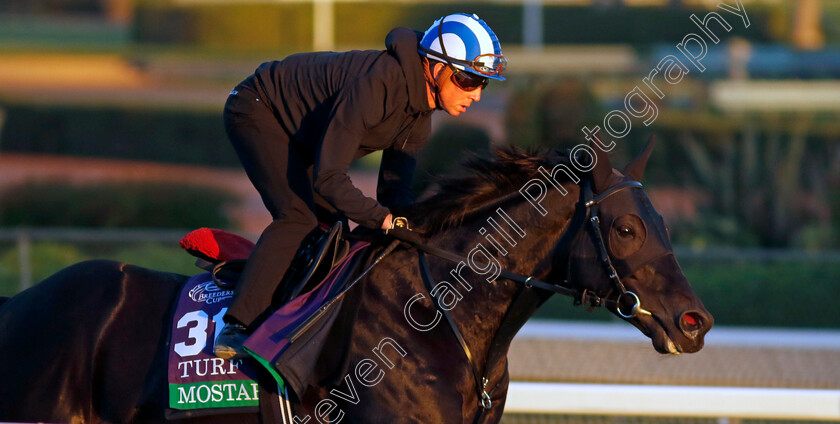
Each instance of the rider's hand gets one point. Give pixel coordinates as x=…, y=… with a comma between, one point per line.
x=388, y=223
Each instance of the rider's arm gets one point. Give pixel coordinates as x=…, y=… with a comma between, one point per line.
x=358, y=108
x=396, y=172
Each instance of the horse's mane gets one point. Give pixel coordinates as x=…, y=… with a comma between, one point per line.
x=488, y=179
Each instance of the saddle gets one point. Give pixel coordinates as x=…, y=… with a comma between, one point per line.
x=321, y=251
x=289, y=342
x=225, y=254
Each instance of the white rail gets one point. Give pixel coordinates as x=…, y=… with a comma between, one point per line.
x=722, y=335
x=673, y=401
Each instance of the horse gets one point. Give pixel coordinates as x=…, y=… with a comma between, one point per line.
x=422, y=338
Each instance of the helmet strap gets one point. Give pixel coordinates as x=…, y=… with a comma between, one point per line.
x=434, y=82
x=441, y=79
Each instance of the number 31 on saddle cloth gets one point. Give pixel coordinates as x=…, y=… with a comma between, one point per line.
x=287, y=343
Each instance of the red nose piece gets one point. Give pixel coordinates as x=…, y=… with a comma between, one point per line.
x=691, y=321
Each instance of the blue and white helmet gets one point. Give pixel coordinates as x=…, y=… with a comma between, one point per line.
x=465, y=42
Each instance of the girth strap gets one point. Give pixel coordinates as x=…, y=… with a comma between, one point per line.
x=480, y=382
x=525, y=301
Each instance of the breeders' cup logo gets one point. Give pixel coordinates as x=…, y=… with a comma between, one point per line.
x=209, y=292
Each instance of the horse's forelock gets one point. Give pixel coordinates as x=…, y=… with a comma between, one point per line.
x=488, y=178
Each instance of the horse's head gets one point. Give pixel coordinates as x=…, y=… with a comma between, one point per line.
x=650, y=289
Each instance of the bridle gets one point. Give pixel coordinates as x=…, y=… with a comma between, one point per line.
x=590, y=205
x=626, y=303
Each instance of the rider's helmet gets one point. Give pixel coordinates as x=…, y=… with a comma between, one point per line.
x=465, y=43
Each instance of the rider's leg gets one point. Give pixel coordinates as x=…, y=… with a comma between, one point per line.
x=279, y=175
x=265, y=268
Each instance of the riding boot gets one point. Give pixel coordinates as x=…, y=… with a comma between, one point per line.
x=229, y=342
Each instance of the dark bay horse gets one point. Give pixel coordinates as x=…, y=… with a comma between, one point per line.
x=86, y=344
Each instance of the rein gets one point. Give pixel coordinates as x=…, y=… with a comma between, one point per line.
x=587, y=207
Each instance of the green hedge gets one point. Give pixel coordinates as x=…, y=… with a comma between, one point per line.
x=773, y=293
x=244, y=27
x=111, y=205
x=640, y=26
x=47, y=258
x=747, y=293
x=164, y=135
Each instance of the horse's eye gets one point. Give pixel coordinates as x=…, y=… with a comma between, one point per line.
x=627, y=235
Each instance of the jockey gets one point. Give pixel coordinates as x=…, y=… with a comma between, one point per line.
x=297, y=124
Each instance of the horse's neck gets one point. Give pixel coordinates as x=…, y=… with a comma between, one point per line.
x=516, y=238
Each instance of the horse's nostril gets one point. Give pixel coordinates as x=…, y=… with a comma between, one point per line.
x=691, y=322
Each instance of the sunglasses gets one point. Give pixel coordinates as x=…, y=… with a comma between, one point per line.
x=467, y=81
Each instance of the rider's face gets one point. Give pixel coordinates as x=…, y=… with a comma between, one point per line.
x=453, y=99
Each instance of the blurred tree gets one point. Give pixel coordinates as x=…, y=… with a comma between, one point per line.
x=450, y=144
x=830, y=185
x=51, y=7
x=118, y=11
x=2, y=122
x=114, y=205
x=768, y=177
x=550, y=113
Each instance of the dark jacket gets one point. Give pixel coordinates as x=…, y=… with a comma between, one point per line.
x=338, y=107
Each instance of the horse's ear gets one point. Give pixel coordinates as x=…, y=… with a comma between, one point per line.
x=636, y=168
x=602, y=173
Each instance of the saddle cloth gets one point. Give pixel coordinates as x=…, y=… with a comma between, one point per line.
x=197, y=378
